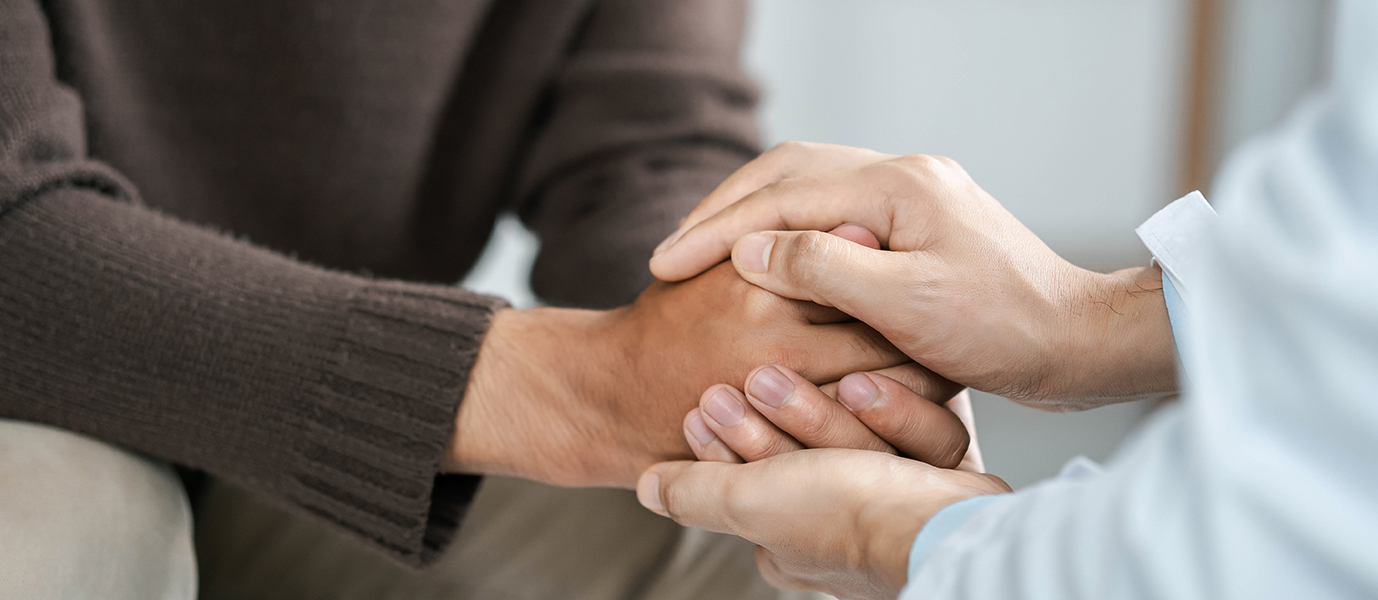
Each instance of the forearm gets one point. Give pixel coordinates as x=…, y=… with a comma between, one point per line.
x=333, y=393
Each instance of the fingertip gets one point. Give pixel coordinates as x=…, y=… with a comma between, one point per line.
x=663, y=268
x=857, y=392
x=665, y=262
x=675, y=263
x=655, y=269
x=695, y=434
x=724, y=405
x=771, y=385
x=648, y=491
x=668, y=241
x=706, y=444
x=918, y=427
x=696, y=430
x=751, y=253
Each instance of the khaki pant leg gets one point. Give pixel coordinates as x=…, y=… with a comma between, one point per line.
x=521, y=541
x=83, y=519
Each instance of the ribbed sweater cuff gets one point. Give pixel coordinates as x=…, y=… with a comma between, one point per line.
x=385, y=410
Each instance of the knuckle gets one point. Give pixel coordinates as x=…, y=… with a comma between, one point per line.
x=766, y=445
x=928, y=162
x=937, y=441
x=738, y=503
x=947, y=162
x=788, y=351
x=915, y=378
x=955, y=451
x=786, y=153
x=897, y=420
x=920, y=162
x=817, y=429
x=933, y=438
x=810, y=252
x=761, y=306
x=925, y=170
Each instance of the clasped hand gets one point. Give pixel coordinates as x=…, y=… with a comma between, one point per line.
x=963, y=288
x=592, y=398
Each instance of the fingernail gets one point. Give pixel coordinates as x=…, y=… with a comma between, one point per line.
x=755, y=252
x=697, y=428
x=725, y=408
x=771, y=387
x=648, y=493
x=857, y=392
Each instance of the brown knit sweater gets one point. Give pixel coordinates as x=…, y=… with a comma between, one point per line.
x=152, y=152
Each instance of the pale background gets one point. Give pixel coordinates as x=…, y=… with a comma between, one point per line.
x=1071, y=112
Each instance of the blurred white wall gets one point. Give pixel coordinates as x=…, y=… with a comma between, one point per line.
x=1068, y=111
x=1065, y=110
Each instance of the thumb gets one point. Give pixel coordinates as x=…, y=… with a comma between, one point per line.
x=692, y=493
x=826, y=269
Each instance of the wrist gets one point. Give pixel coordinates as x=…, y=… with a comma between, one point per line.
x=1119, y=344
x=892, y=538
x=896, y=523
x=524, y=409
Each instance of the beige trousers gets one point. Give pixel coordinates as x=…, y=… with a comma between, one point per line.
x=82, y=519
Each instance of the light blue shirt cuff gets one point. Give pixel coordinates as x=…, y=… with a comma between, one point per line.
x=942, y=523
x=1177, y=315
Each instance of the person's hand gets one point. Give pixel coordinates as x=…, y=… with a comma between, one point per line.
x=860, y=548
x=898, y=410
x=788, y=160
x=839, y=521
x=592, y=398
x=965, y=289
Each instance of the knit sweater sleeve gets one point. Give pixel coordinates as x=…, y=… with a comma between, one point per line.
x=649, y=112
x=331, y=393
